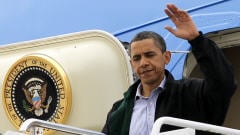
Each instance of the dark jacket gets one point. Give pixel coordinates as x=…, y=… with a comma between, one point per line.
x=204, y=100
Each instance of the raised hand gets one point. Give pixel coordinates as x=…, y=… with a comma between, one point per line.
x=185, y=27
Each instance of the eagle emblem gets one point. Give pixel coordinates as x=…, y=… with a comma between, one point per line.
x=35, y=90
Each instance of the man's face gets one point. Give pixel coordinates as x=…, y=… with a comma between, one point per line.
x=148, y=61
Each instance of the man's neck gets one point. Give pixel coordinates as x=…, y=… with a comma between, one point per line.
x=148, y=88
x=146, y=92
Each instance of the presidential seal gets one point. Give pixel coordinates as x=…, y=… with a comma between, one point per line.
x=36, y=87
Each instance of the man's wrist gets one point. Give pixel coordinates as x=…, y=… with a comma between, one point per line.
x=197, y=39
x=194, y=36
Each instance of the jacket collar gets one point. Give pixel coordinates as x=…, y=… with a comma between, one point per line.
x=131, y=92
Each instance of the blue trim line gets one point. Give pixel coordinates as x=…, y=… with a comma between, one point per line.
x=121, y=32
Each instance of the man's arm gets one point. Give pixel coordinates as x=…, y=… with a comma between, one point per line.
x=219, y=70
x=219, y=84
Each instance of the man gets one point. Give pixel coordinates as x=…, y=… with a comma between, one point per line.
x=157, y=94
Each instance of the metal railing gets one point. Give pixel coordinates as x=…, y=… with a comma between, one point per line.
x=191, y=124
x=32, y=125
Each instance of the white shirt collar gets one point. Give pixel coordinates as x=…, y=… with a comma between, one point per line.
x=139, y=88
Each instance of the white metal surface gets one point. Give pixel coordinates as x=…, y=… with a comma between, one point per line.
x=191, y=124
x=32, y=124
x=96, y=64
x=13, y=133
x=185, y=131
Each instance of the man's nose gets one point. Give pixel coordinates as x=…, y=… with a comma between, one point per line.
x=144, y=62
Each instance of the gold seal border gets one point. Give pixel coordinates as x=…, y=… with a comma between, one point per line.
x=42, y=61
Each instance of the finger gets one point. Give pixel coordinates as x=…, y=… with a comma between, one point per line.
x=173, y=9
x=184, y=16
x=170, y=15
x=170, y=29
x=178, y=13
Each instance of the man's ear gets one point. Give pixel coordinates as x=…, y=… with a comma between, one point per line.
x=167, y=57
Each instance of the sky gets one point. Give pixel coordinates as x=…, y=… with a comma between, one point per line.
x=23, y=20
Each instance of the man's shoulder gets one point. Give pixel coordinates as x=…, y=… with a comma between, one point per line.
x=117, y=103
x=185, y=83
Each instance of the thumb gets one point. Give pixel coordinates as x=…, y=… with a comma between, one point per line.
x=170, y=29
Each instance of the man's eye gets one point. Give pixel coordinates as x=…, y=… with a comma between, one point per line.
x=150, y=55
x=136, y=58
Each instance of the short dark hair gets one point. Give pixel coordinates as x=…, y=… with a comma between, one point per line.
x=158, y=39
